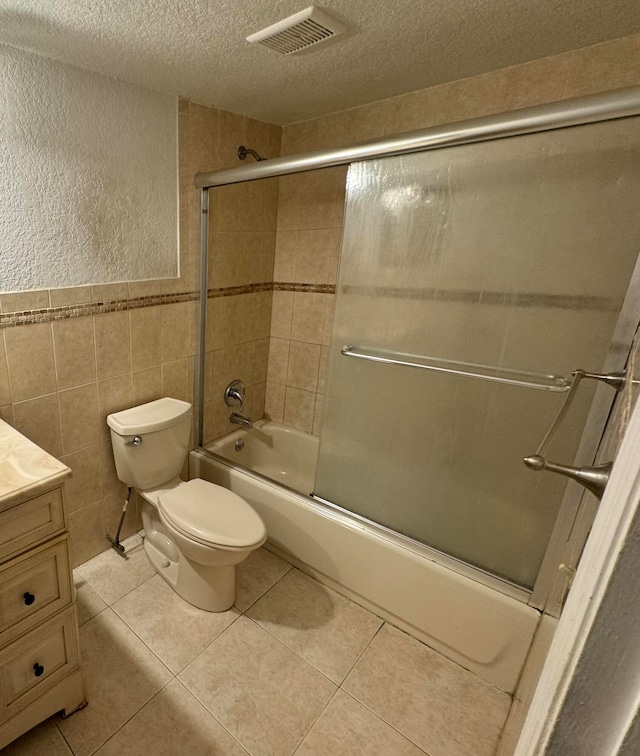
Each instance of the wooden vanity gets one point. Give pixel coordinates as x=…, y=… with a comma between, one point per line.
x=39, y=651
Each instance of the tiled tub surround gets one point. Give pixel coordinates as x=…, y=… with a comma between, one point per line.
x=310, y=205
x=293, y=667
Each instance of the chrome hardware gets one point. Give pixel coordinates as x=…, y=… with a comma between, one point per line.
x=465, y=369
x=234, y=394
x=239, y=445
x=135, y=441
x=239, y=419
x=244, y=151
x=594, y=478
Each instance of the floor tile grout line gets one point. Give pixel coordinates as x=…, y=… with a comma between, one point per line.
x=146, y=645
x=54, y=718
x=293, y=651
x=208, y=710
x=315, y=721
x=157, y=693
x=109, y=605
x=364, y=650
x=231, y=735
x=382, y=719
x=262, y=595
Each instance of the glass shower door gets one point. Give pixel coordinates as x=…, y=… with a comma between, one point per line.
x=508, y=259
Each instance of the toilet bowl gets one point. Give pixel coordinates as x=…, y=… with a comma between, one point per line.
x=195, y=532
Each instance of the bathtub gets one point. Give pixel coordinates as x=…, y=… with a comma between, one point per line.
x=472, y=618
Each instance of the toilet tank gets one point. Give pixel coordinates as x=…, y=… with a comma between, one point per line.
x=163, y=428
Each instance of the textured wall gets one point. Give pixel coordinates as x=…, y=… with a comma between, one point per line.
x=89, y=185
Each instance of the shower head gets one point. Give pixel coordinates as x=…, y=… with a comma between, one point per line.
x=244, y=151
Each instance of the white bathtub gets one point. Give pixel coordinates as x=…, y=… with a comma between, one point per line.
x=468, y=617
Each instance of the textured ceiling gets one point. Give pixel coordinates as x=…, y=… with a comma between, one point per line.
x=197, y=48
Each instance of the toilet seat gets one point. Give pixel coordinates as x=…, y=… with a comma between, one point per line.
x=212, y=515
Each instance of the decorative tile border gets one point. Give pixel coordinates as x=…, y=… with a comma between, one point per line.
x=50, y=314
x=304, y=287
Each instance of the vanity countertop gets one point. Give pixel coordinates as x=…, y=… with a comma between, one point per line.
x=25, y=469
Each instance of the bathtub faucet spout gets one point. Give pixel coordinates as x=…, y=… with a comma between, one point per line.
x=239, y=419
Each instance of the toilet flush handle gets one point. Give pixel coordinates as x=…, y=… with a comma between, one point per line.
x=135, y=441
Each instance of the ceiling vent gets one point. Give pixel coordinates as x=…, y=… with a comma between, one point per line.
x=302, y=30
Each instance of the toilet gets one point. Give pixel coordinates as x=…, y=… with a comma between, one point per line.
x=195, y=532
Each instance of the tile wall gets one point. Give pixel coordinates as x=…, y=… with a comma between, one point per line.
x=310, y=206
x=83, y=352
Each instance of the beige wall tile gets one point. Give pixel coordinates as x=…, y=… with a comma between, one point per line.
x=535, y=83
x=282, y=314
x=6, y=414
x=225, y=247
x=224, y=370
x=603, y=67
x=88, y=535
x=146, y=385
x=175, y=331
x=79, y=417
x=203, y=130
x=314, y=255
x=175, y=380
x=291, y=188
x=329, y=308
x=323, y=369
x=274, y=401
x=304, y=361
x=113, y=347
x=232, y=135
x=298, y=409
x=278, y=360
x=223, y=311
x=30, y=359
x=25, y=300
x=70, y=295
x=146, y=337
x=75, y=352
x=109, y=292
x=5, y=385
x=255, y=400
x=85, y=485
x=308, y=317
x=145, y=288
x=114, y=394
x=263, y=137
x=39, y=420
x=284, y=267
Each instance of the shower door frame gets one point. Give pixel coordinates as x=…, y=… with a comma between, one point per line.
x=622, y=103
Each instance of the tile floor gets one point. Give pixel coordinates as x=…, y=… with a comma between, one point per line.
x=293, y=667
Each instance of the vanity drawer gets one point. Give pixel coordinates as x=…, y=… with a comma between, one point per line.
x=34, y=664
x=33, y=587
x=29, y=523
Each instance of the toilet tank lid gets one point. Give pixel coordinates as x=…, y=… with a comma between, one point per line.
x=150, y=417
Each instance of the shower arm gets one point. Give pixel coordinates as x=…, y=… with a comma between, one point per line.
x=244, y=151
x=593, y=478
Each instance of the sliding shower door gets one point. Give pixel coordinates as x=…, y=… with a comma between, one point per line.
x=505, y=260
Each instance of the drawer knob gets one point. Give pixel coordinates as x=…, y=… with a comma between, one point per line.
x=29, y=598
x=38, y=669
